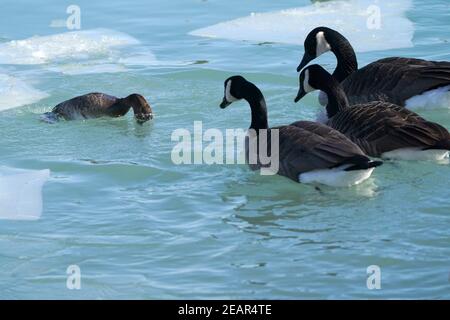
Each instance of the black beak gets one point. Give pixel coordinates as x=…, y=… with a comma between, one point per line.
x=306, y=59
x=224, y=103
x=301, y=93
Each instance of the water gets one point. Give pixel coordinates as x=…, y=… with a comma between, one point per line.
x=140, y=227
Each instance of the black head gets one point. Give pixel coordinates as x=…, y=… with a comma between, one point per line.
x=313, y=77
x=142, y=110
x=233, y=90
x=316, y=43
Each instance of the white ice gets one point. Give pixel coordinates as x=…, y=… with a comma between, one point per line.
x=81, y=52
x=81, y=45
x=21, y=193
x=15, y=93
x=356, y=19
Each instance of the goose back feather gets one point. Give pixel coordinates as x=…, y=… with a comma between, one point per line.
x=395, y=80
x=379, y=127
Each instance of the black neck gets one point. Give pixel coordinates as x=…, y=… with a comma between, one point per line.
x=337, y=99
x=345, y=55
x=118, y=109
x=258, y=106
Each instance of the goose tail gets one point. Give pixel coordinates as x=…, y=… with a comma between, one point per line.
x=361, y=162
x=444, y=144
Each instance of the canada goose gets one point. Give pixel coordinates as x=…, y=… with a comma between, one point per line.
x=380, y=129
x=308, y=152
x=409, y=82
x=95, y=105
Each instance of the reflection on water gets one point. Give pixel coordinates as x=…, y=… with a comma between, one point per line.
x=275, y=207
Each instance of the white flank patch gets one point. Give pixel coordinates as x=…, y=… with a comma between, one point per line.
x=433, y=99
x=348, y=17
x=336, y=177
x=416, y=154
x=15, y=93
x=21, y=193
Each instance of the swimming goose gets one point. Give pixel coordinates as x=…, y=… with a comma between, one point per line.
x=95, y=105
x=380, y=129
x=409, y=82
x=308, y=152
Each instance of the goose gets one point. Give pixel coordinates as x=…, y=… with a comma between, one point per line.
x=414, y=83
x=380, y=129
x=95, y=105
x=308, y=152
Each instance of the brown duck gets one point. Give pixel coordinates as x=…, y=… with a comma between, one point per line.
x=95, y=105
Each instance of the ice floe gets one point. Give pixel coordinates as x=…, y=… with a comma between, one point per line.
x=21, y=193
x=15, y=92
x=78, y=45
x=369, y=25
x=81, y=52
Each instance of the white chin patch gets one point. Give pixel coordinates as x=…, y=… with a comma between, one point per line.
x=322, y=45
x=228, y=94
x=306, y=86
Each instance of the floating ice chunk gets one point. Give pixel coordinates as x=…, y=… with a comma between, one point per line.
x=141, y=58
x=15, y=93
x=369, y=25
x=21, y=193
x=116, y=64
x=88, y=68
x=79, y=45
x=80, y=52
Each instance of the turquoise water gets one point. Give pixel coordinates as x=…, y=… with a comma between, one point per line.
x=139, y=226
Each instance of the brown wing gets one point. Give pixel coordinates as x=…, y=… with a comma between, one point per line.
x=332, y=140
x=379, y=127
x=395, y=80
x=305, y=146
x=86, y=106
